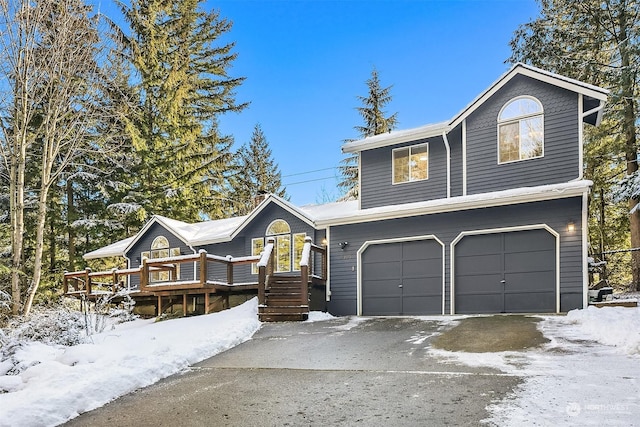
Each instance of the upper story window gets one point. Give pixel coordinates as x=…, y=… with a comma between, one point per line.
x=286, y=249
x=520, y=130
x=411, y=163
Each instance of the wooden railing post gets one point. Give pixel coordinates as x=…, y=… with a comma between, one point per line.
x=65, y=283
x=114, y=278
x=144, y=275
x=262, y=278
x=229, y=270
x=87, y=279
x=203, y=267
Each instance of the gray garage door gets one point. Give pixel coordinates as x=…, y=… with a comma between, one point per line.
x=511, y=272
x=402, y=278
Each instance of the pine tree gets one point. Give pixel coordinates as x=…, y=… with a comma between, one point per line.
x=257, y=173
x=596, y=41
x=375, y=123
x=184, y=87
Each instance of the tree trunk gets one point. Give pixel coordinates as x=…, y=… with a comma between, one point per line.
x=71, y=217
x=37, y=261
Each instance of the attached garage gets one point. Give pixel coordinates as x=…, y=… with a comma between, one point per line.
x=505, y=272
x=401, y=277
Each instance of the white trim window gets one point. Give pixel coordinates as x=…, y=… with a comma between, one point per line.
x=286, y=249
x=160, y=249
x=520, y=130
x=411, y=163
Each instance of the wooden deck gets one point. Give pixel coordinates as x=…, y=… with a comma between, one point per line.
x=280, y=297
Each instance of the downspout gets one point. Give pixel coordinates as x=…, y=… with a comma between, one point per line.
x=448, y=148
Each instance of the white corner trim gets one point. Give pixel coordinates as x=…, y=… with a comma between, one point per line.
x=464, y=157
x=460, y=236
x=581, y=117
x=327, y=287
x=585, y=251
x=368, y=243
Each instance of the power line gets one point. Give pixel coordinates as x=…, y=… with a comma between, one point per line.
x=309, y=180
x=305, y=173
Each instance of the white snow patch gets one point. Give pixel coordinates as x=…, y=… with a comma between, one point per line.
x=352, y=323
x=58, y=383
x=319, y=316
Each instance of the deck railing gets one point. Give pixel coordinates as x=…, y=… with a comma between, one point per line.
x=89, y=282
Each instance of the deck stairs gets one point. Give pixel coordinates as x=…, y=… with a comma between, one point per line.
x=283, y=300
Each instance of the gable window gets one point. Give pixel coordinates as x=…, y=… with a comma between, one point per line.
x=160, y=249
x=411, y=163
x=286, y=250
x=520, y=130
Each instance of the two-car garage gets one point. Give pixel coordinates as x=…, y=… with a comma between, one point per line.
x=492, y=271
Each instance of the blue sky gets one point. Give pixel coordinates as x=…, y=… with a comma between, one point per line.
x=307, y=61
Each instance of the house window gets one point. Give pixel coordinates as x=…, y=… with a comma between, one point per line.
x=520, y=130
x=286, y=248
x=160, y=249
x=411, y=163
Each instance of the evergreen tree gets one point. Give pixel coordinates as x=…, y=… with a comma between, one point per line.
x=183, y=87
x=257, y=173
x=373, y=113
x=596, y=41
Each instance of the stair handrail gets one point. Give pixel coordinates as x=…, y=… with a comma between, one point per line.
x=265, y=269
x=306, y=266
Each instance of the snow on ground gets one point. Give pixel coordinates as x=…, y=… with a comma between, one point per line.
x=587, y=375
x=62, y=382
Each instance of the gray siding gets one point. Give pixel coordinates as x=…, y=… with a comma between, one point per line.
x=561, y=149
x=144, y=244
x=447, y=226
x=377, y=188
x=455, y=142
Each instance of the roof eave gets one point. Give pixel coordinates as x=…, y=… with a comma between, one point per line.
x=392, y=138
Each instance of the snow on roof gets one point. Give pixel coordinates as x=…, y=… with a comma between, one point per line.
x=114, y=249
x=437, y=129
x=346, y=212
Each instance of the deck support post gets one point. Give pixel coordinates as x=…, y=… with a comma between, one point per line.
x=159, y=305
x=206, y=303
x=184, y=304
x=203, y=267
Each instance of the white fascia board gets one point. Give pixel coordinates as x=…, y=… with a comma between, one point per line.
x=460, y=203
x=534, y=73
x=156, y=219
x=113, y=250
x=396, y=137
x=272, y=198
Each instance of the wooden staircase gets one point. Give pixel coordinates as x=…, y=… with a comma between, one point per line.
x=284, y=300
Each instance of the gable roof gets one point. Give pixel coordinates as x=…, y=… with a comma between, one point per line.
x=437, y=129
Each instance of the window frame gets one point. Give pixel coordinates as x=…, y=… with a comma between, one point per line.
x=410, y=149
x=519, y=120
x=159, y=251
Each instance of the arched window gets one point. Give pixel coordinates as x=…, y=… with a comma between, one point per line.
x=520, y=130
x=160, y=249
x=286, y=249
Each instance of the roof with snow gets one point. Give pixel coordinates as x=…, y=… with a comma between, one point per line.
x=599, y=95
x=339, y=213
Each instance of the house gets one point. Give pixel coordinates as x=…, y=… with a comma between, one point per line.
x=483, y=213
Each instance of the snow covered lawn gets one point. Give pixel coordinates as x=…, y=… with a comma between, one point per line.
x=61, y=382
x=588, y=374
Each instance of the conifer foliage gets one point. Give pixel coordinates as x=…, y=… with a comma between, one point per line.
x=596, y=41
x=257, y=173
x=375, y=122
x=184, y=86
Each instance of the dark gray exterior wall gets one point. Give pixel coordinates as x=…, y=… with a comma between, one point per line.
x=447, y=226
x=455, y=144
x=561, y=142
x=144, y=244
x=376, y=176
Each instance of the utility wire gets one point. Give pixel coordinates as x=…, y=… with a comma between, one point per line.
x=305, y=173
x=309, y=180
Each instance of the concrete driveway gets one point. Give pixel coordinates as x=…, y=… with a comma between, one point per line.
x=345, y=371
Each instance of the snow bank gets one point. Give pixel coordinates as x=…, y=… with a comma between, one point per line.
x=614, y=326
x=58, y=383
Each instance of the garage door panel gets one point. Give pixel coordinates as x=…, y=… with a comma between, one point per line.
x=420, y=305
x=478, y=264
x=483, y=244
x=529, y=302
x=532, y=261
x=382, y=306
x=419, y=250
x=383, y=253
x=418, y=268
x=489, y=303
x=526, y=262
x=382, y=270
x=478, y=284
x=531, y=281
x=426, y=268
x=530, y=240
